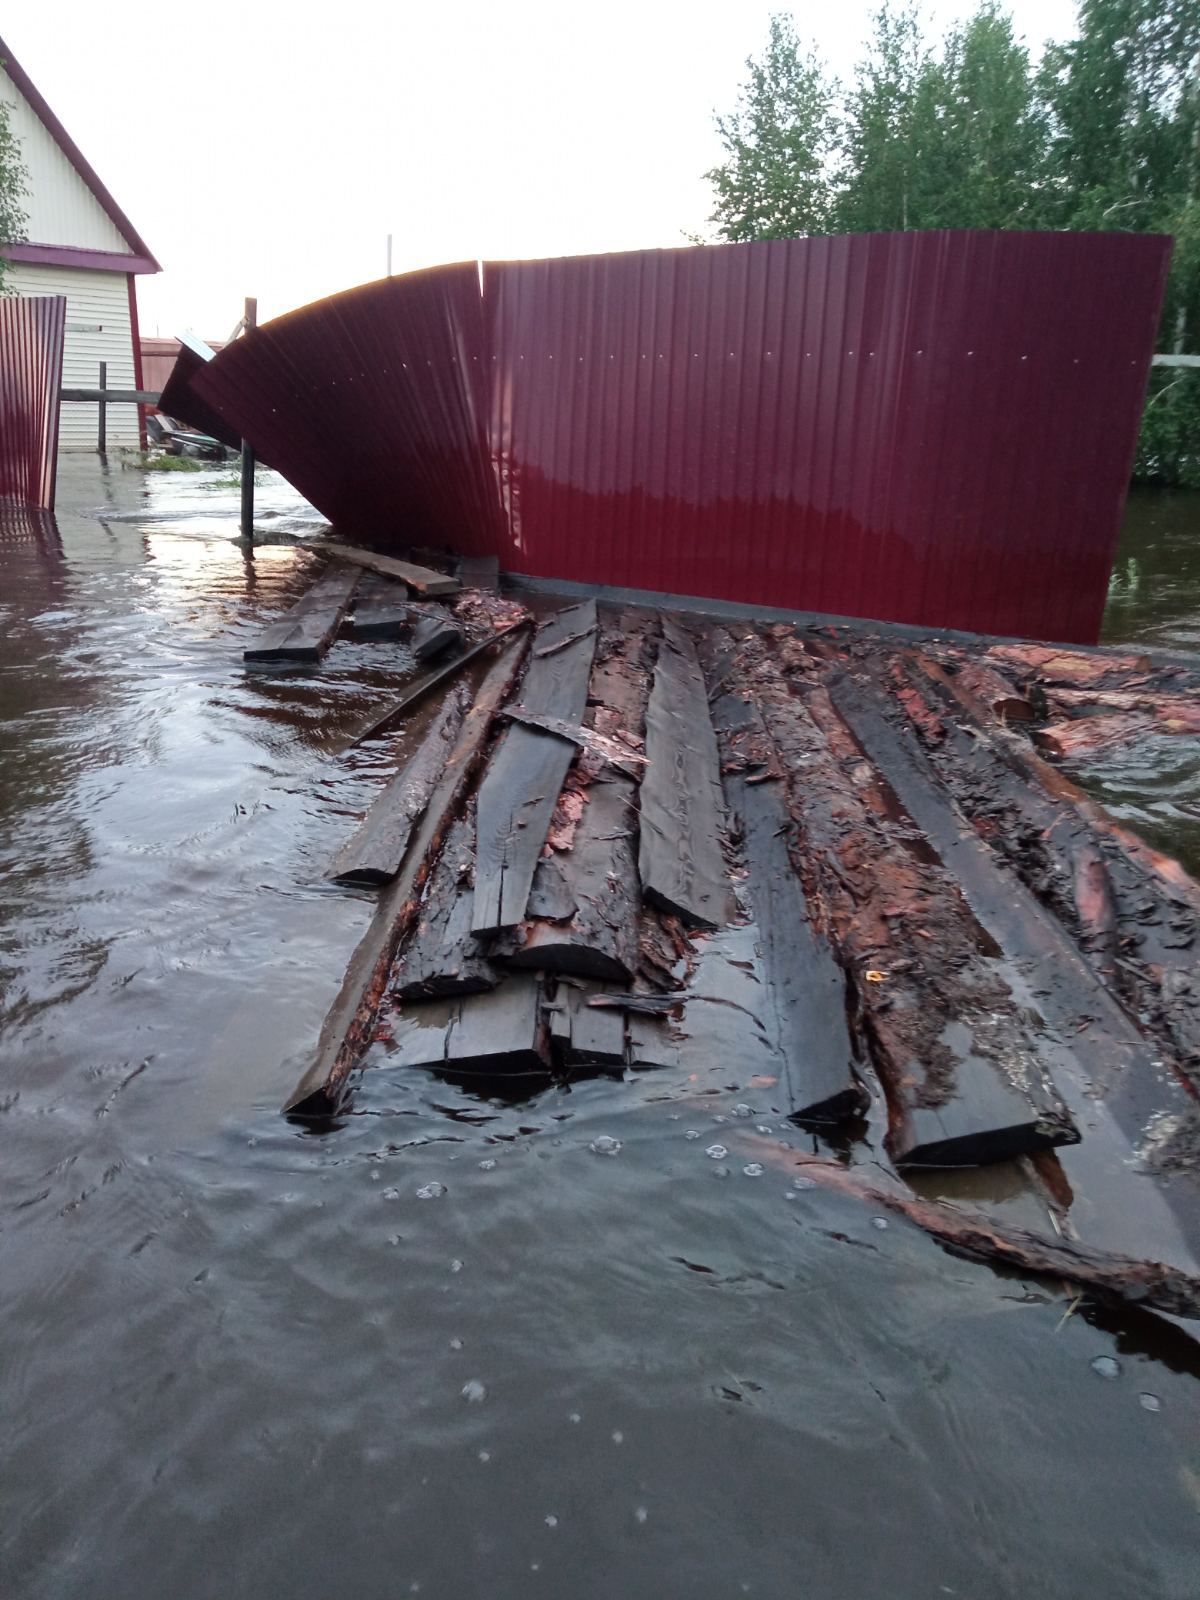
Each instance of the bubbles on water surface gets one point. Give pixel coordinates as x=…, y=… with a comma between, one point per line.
x=617, y=1436
x=716, y=1152
x=456, y=1265
x=1106, y=1366
x=1149, y=1402
x=692, y=1133
x=743, y=1110
x=474, y=1391
x=640, y=1514
x=431, y=1191
x=391, y=1194
x=551, y=1520
x=753, y=1169
x=456, y=1343
x=487, y=1166
x=604, y=1146
x=880, y=1223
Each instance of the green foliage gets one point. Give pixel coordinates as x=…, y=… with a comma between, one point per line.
x=774, y=182
x=12, y=188
x=166, y=463
x=969, y=132
x=1169, y=443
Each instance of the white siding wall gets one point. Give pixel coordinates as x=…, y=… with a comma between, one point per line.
x=61, y=207
x=94, y=299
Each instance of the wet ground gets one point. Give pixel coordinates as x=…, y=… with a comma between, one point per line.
x=455, y=1345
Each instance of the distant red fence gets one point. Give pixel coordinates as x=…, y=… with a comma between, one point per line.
x=31, y=354
x=935, y=428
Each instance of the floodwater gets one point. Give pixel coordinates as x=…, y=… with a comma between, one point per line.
x=455, y=1345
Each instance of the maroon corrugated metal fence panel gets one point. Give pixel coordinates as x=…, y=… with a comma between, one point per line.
x=935, y=428
x=31, y=353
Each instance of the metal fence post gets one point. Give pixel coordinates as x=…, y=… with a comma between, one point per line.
x=102, y=412
x=250, y=321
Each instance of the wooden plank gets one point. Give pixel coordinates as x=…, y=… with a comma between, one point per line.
x=584, y=1035
x=382, y=609
x=805, y=998
x=305, y=632
x=521, y=787
x=374, y=851
x=440, y=957
x=351, y=1019
x=502, y=1033
x=436, y=636
x=597, y=937
x=680, y=859
x=423, y=581
x=407, y=701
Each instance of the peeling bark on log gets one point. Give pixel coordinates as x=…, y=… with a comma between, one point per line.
x=680, y=860
x=1116, y=1279
x=306, y=631
x=373, y=853
x=805, y=987
x=351, y=1019
x=521, y=787
x=440, y=957
x=950, y=1044
x=423, y=581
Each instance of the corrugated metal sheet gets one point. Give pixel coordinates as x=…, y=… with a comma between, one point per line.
x=933, y=428
x=31, y=352
x=98, y=329
x=372, y=404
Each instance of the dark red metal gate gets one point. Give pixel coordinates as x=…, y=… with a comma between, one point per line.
x=31, y=353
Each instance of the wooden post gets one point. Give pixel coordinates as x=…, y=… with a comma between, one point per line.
x=250, y=321
x=102, y=412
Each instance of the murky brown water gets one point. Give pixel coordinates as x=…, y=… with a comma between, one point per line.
x=242, y=1359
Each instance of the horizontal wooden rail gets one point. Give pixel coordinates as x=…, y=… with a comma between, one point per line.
x=133, y=397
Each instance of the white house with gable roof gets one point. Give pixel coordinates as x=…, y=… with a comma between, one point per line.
x=82, y=245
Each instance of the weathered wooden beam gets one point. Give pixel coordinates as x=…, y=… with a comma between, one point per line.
x=423, y=581
x=521, y=788
x=305, y=632
x=419, y=690
x=348, y=1026
x=680, y=860
x=583, y=1035
x=436, y=636
x=132, y=397
x=502, y=1032
x=805, y=997
x=585, y=902
x=375, y=850
x=440, y=957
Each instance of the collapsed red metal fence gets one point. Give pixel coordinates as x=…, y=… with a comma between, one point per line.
x=935, y=428
x=31, y=354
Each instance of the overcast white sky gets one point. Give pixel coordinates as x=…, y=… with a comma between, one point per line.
x=269, y=148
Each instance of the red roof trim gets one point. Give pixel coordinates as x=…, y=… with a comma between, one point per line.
x=84, y=168
x=66, y=255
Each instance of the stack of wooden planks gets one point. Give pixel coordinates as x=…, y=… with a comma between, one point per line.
x=942, y=951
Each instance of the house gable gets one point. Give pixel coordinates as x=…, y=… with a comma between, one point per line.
x=73, y=220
